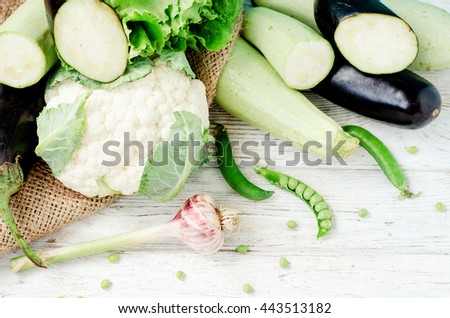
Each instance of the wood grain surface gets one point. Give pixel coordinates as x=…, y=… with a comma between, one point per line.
x=401, y=249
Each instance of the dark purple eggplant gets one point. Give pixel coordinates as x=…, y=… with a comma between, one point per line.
x=404, y=98
x=368, y=34
x=18, y=139
x=52, y=7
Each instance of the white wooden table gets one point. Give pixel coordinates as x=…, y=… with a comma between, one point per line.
x=401, y=249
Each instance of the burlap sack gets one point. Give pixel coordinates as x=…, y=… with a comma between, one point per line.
x=44, y=205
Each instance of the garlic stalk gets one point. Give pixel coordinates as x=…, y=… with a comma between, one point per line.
x=199, y=224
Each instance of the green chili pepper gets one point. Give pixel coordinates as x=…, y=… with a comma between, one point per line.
x=304, y=192
x=230, y=171
x=382, y=155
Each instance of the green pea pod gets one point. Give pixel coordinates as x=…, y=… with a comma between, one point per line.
x=385, y=159
x=230, y=171
x=314, y=200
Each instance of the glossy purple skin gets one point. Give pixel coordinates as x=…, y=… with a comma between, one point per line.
x=404, y=99
x=329, y=13
x=18, y=111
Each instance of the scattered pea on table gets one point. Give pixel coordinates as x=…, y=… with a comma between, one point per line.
x=284, y=263
x=363, y=213
x=181, y=275
x=114, y=258
x=412, y=150
x=242, y=249
x=292, y=224
x=440, y=207
x=105, y=284
x=247, y=288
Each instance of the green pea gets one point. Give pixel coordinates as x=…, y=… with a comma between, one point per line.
x=363, y=213
x=242, y=249
x=284, y=263
x=181, y=275
x=105, y=284
x=293, y=183
x=308, y=193
x=440, y=207
x=411, y=150
x=315, y=199
x=321, y=206
x=324, y=215
x=283, y=181
x=247, y=288
x=292, y=224
x=114, y=258
x=300, y=189
x=326, y=224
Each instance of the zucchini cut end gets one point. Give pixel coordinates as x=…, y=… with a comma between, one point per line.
x=308, y=64
x=377, y=43
x=22, y=61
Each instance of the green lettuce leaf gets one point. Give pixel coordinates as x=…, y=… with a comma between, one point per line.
x=140, y=68
x=60, y=131
x=175, y=159
x=152, y=25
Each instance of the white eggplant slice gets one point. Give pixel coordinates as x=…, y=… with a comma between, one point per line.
x=90, y=38
x=376, y=43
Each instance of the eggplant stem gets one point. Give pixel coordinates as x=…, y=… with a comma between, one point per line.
x=8, y=218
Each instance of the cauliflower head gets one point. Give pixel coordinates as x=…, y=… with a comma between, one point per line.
x=104, y=141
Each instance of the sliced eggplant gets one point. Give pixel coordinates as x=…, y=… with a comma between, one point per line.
x=18, y=139
x=404, y=98
x=368, y=34
x=90, y=38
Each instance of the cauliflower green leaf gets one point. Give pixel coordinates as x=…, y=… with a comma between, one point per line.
x=178, y=61
x=60, y=131
x=174, y=160
x=140, y=68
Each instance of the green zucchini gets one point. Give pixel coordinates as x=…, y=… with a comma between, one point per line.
x=429, y=23
x=301, y=56
x=431, y=26
x=251, y=90
x=27, y=48
x=302, y=10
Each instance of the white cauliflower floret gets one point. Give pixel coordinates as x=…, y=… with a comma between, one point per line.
x=143, y=110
